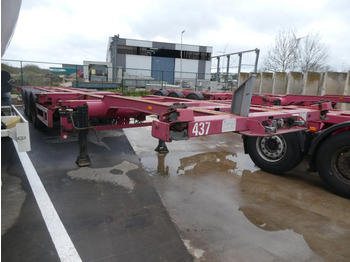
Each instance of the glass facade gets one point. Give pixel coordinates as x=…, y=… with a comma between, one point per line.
x=161, y=52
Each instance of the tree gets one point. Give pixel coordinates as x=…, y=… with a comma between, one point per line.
x=300, y=54
x=10, y=69
x=312, y=54
x=282, y=56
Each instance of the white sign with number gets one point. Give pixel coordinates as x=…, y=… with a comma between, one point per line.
x=201, y=128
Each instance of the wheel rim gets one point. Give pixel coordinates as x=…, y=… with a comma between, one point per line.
x=341, y=164
x=272, y=148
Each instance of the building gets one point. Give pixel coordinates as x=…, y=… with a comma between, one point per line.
x=97, y=71
x=159, y=60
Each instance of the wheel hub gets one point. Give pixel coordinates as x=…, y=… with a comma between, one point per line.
x=271, y=148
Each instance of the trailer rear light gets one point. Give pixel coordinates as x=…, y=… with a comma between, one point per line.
x=312, y=129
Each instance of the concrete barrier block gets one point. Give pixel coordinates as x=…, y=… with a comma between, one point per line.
x=312, y=82
x=242, y=77
x=279, y=85
x=346, y=106
x=320, y=86
x=334, y=83
x=257, y=82
x=266, y=82
x=295, y=83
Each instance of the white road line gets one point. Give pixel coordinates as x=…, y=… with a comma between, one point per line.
x=63, y=244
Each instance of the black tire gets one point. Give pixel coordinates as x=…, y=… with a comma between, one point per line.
x=32, y=107
x=25, y=100
x=275, y=154
x=33, y=114
x=195, y=96
x=5, y=86
x=161, y=92
x=333, y=163
x=178, y=94
x=5, y=77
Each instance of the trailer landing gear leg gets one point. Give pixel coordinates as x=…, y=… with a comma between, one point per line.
x=83, y=158
x=162, y=148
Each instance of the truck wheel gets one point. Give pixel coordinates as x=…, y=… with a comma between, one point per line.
x=25, y=101
x=161, y=92
x=32, y=112
x=195, y=96
x=275, y=154
x=333, y=163
x=32, y=107
x=178, y=94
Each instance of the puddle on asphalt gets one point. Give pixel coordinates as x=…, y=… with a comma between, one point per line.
x=222, y=161
x=196, y=252
x=115, y=175
x=207, y=162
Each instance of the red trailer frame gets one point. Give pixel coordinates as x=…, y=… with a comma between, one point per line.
x=50, y=100
x=257, y=98
x=80, y=110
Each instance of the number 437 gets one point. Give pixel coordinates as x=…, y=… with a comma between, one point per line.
x=201, y=128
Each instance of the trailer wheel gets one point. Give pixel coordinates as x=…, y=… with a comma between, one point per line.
x=333, y=163
x=178, y=94
x=161, y=92
x=275, y=154
x=32, y=112
x=195, y=96
x=25, y=101
x=32, y=107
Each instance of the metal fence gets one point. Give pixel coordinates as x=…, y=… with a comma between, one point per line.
x=36, y=73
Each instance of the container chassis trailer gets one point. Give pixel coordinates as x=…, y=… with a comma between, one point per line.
x=276, y=135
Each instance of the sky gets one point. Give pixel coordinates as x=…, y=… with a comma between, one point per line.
x=68, y=31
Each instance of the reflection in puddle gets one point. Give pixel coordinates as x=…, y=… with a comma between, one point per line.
x=207, y=162
x=223, y=161
x=161, y=167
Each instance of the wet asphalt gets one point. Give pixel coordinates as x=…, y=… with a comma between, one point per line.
x=227, y=209
x=203, y=201
x=110, y=210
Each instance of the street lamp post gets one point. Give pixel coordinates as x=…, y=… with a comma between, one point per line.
x=181, y=60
